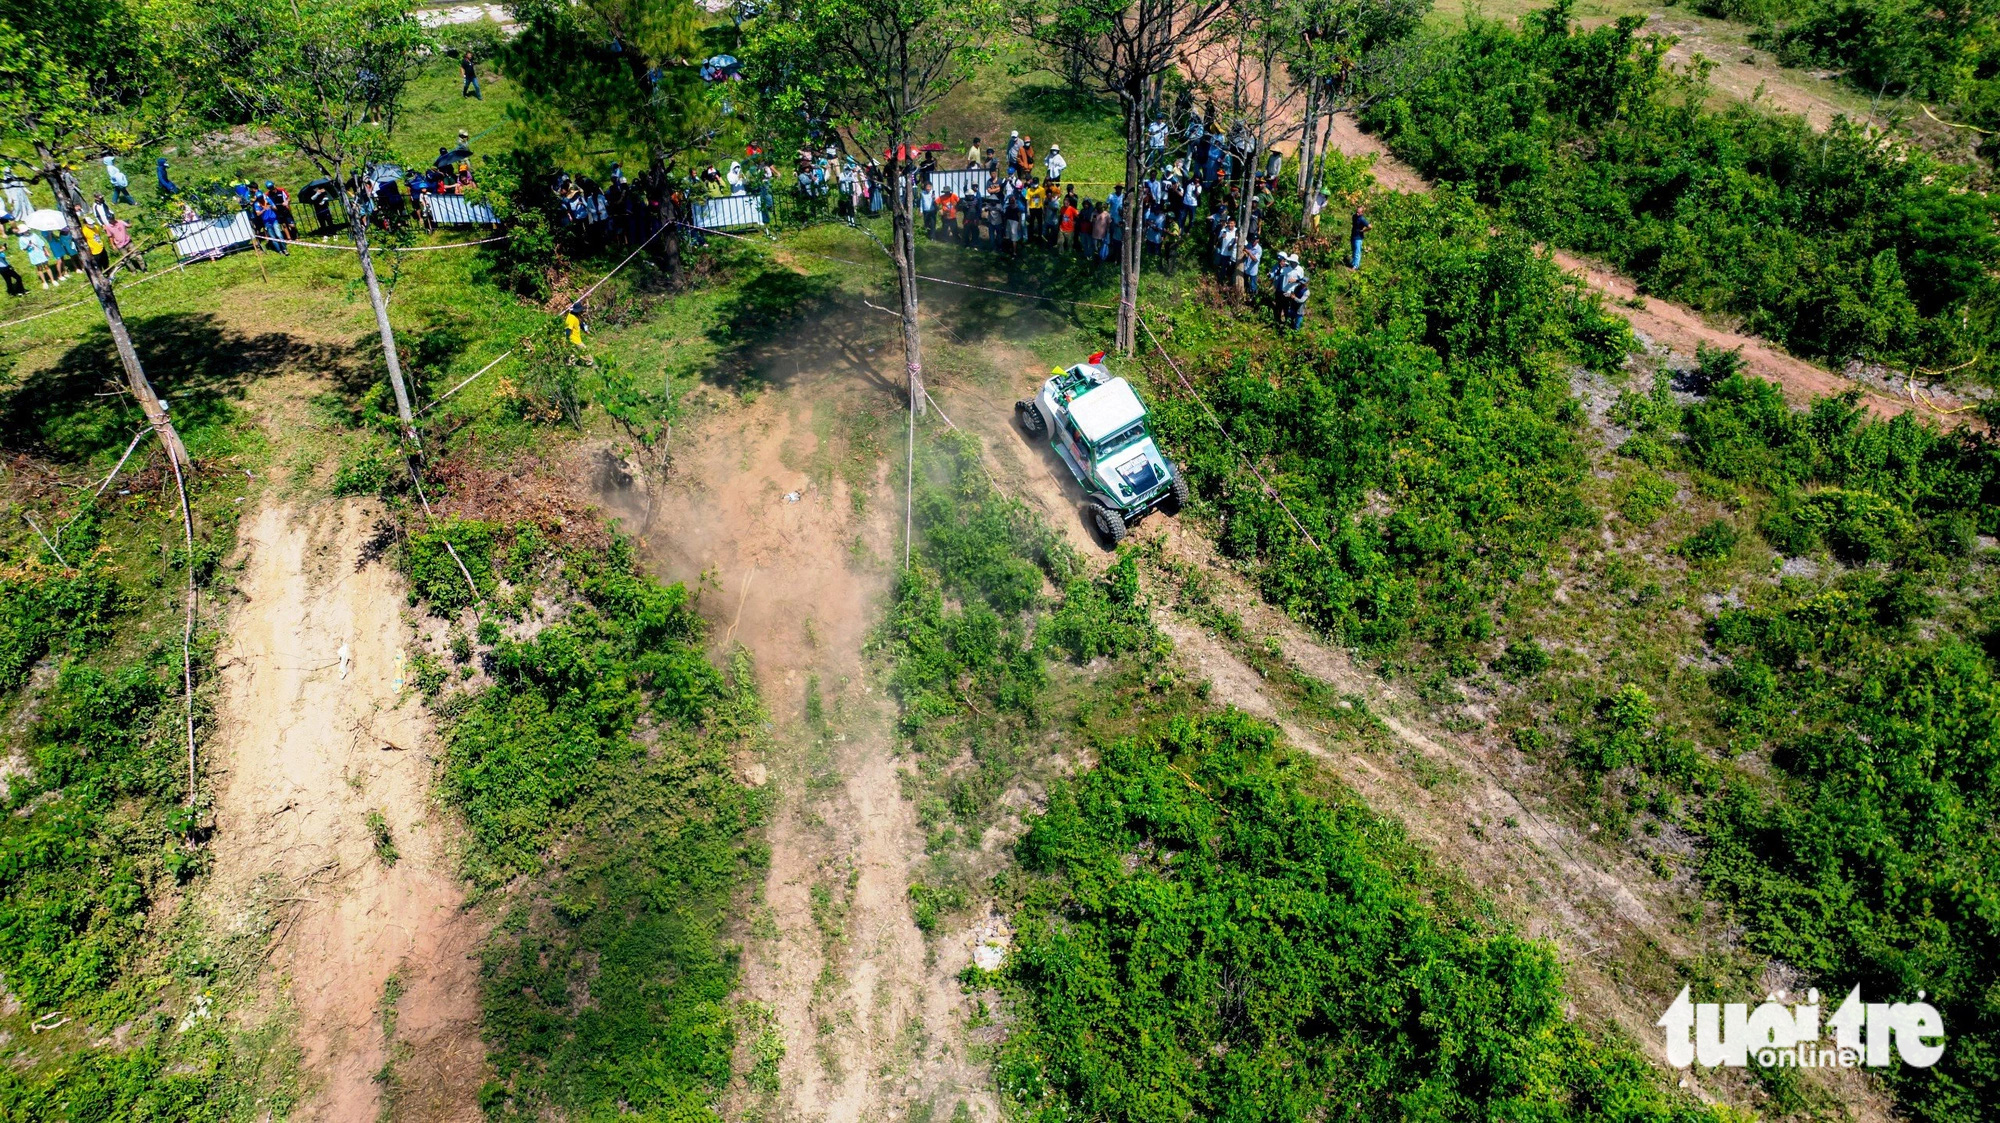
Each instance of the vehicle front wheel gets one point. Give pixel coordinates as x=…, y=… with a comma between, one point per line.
x=1177, y=501
x=1030, y=416
x=1109, y=525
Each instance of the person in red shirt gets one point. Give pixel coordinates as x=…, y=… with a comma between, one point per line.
x=1069, y=222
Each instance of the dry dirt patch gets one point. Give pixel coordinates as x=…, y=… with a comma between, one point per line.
x=316, y=730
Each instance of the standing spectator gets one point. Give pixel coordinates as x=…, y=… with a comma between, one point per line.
x=121, y=192
x=1013, y=148
x=972, y=154
x=1067, y=222
x=1038, y=197
x=1156, y=142
x=471, y=74
x=1056, y=164
x=39, y=255
x=1115, y=204
x=1190, y=201
x=1086, y=230
x=1225, y=253
x=947, y=204
x=167, y=185
x=1100, y=231
x=63, y=249
x=1295, y=300
x=1024, y=160
x=100, y=210
x=93, y=243
x=19, y=203
x=928, y=201
x=120, y=234
x=1017, y=222
x=1253, y=260
x=1356, y=229
x=267, y=217
x=15, y=286
x=281, y=201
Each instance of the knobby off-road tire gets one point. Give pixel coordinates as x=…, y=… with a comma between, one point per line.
x=1179, y=499
x=1030, y=416
x=1109, y=524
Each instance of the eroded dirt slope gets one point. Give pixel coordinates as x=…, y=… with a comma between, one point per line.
x=317, y=731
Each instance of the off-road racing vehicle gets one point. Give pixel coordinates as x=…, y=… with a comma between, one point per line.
x=1097, y=425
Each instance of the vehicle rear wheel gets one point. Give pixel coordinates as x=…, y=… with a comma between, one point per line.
x=1178, y=500
x=1109, y=525
x=1030, y=416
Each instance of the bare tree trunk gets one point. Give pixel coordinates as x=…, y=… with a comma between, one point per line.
x=903, y=232
x=1256, y=151
x=136, y=381
x=1309, y=146
x=1135, y=215
x=357, y=226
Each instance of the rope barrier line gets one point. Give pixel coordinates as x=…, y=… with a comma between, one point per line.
x=349, y=247
x=1270, y=491
x=435, y=402
x=80, y=303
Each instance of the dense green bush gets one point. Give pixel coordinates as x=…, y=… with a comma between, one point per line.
x=435, y=575
x=44, y=609
x=1874, y=862
x=1200, y=936
x=1834, y=243
x=1430, y=450
x=1099, y=616
x=653, y=838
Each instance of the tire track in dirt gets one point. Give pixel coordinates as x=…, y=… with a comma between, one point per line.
x=799, y=569
x=1662, y=323
x=316, y=731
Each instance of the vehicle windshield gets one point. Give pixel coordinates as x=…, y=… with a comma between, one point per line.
x=1122, y=437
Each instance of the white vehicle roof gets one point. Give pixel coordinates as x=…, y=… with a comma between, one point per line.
x=1106, y=408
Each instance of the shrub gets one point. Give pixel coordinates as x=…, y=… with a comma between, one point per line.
x=1147, y=987
x=1712, y=541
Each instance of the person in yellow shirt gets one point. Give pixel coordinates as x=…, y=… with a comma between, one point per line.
x=1037, y=198
x=93, y=239
x=573, y=323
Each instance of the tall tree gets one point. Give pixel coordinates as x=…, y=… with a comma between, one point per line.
x=327, y=76
x=616, y=74
x=69, y=98
x=1335, y=50
x=1120, y=45
x=878, y=67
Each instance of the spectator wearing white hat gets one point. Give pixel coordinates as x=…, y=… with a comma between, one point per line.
x=1056, y=164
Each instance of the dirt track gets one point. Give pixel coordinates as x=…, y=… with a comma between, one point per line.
x=316, y=731
x=801, y=534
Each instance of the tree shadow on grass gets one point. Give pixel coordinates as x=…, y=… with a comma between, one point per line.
x=77, y=408
x=781, y=324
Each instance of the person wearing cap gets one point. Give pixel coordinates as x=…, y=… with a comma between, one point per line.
x=100, y=210
x=1013, y=147
x=1056, y=164
x=39, y=255
x=167, y=186
x=120, y=186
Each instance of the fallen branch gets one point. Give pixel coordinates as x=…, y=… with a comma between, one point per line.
x=30, y=520
x=136, y=438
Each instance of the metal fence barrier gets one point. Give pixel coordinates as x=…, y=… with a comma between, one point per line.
x=728, y=211
x=209, y=238
x=963, y=182
x=456, y=210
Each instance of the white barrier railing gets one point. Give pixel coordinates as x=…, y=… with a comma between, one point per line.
x=456, y=210
x=728, y=211
x=210, y=238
